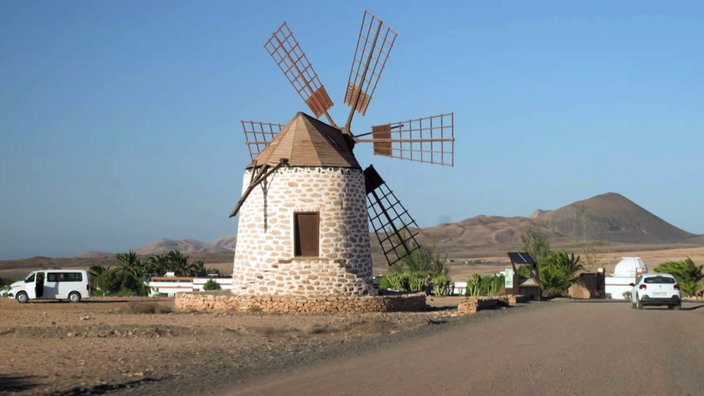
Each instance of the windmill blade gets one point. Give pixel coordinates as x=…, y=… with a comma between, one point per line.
x=292, y=61
x=393, y=225
x=429, y=139
x=373, y=47
x=257, y=135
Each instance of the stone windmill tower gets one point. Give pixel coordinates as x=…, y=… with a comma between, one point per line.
x=306, y=203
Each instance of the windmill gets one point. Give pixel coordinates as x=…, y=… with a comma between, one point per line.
x=285, y=201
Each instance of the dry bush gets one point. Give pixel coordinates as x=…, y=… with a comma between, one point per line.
x=146, y=307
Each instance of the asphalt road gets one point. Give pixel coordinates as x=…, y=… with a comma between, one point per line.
x=549, y=348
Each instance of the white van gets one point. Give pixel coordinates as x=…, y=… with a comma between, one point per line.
x=72, y=285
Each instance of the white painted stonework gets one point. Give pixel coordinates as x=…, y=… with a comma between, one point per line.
x=264, y=256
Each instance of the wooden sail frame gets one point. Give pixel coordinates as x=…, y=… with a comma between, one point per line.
x=428, y=139
x=293, y=62
x=258, y=135
x=374, y=44
x=393, y=225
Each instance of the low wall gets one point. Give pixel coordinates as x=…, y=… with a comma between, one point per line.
x=218, y=301
x=473, y=304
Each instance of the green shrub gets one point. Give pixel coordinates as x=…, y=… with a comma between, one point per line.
x=558, y=271
x=688, y=274
x=211, y=284
x=416, y=280
x=396, y=281
x=124, y=292
x=442, y=285
x=385, y=283
x=485, y=286
x=413, y=282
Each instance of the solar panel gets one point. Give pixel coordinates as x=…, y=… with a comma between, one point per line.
x=521, y=258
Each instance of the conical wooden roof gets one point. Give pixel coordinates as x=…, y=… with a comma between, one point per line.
x=306, y=141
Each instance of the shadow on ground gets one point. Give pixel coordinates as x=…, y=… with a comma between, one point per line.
x=10, y=383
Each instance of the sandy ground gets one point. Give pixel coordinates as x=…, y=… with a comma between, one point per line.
x=557, y=347
x=108, y=344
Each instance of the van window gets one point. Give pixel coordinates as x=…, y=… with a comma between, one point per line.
x=30, y=279
x=64, y=277
x=74, y=277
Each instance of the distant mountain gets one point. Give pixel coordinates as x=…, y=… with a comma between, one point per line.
x=609, y=217
x=93, y=255
x=226, y=242
x=220, y=245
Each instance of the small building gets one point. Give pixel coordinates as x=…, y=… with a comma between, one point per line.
x=169, y=284
x=519, y=285
x=626, y=272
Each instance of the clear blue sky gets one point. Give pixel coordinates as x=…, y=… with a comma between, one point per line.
x=120, y=120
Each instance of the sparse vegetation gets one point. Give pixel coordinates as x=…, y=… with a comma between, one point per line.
x=688, y=275
x=424, y=259
x=408, y=274
x=536, y=243
x=211, y=284
x=128, y=277
x=147, y=307
x=591, y=258
x=478, y=285
x=7, y=281
x=413, y=282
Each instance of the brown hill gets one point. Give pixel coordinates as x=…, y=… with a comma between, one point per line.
x=608, y=219
x=184, y=246
x=611, y=217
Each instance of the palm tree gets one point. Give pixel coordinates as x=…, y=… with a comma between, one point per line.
x=158, y=264
x=178, y=263
x=558, y=271
x=687, y=274
x=197, y=268
x=130, y=264
x=96, y=270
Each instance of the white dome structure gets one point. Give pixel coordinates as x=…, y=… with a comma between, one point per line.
x=630, y=267
x=625, y=274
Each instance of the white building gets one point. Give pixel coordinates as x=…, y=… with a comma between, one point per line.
x=625, y=273
x=169, y=284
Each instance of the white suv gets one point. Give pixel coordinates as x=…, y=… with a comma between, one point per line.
x=656, y=289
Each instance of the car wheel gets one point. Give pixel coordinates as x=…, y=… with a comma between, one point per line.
x=22, y=297
x=74, y=297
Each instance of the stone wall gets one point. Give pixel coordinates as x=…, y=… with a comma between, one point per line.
x=265, y=263
x=223, y=301
x=470, y=305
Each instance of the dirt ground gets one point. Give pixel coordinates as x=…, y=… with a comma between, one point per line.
x=105, y=345
x=140, y=345
x=130, y=346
